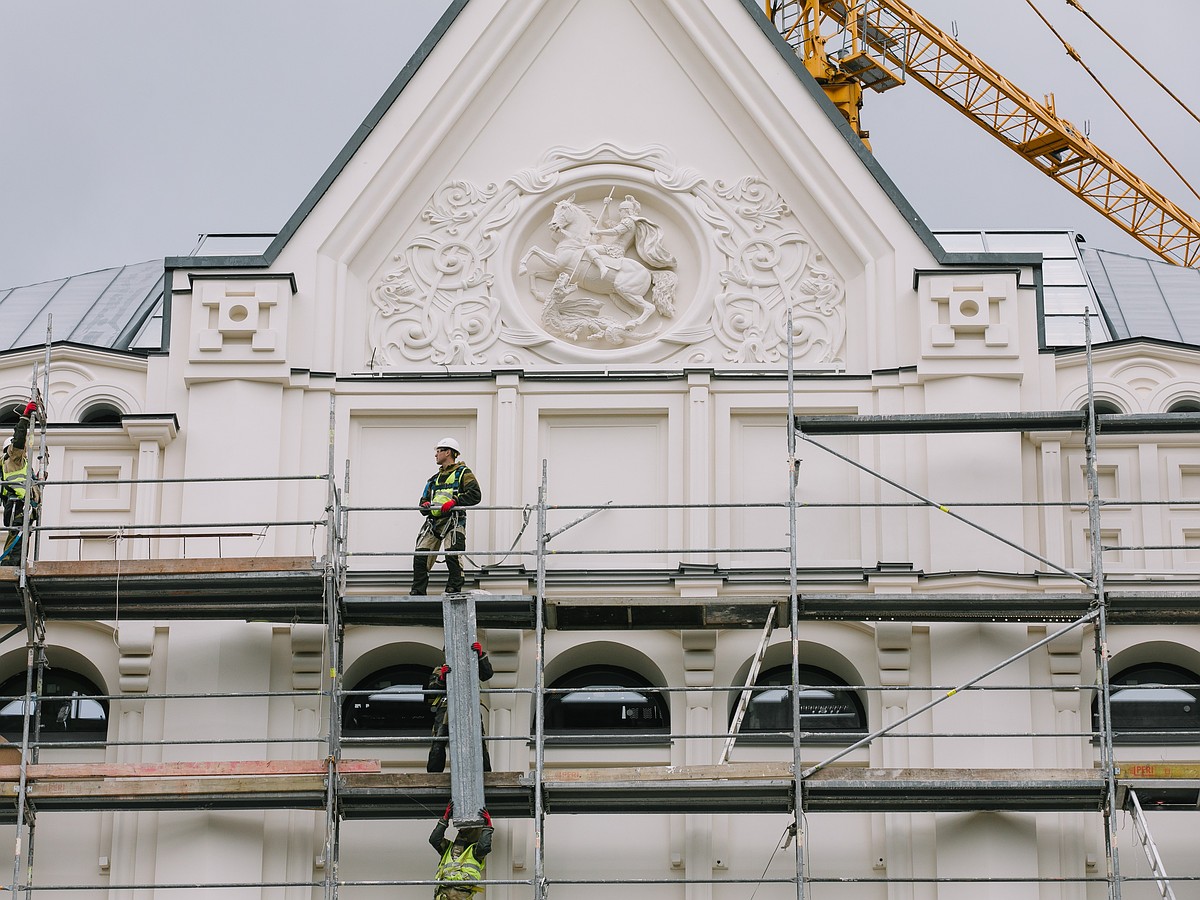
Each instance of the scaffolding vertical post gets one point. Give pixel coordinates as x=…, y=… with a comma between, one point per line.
x=334, y=641
x=539, y=706
x=35, y=654
x=43, y=450
x=462, y=710
x=1101, y=634
x=794, y=616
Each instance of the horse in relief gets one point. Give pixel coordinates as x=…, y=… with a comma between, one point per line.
x=603, y=268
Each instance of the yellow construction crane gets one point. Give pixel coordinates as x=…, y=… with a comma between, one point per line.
x=883, y=42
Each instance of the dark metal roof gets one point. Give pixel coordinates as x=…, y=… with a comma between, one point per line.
x=118, y=309
x=1146, y=298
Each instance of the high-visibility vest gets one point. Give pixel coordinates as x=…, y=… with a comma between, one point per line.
x=465, y=868
x=441, y=491
x=14, y=482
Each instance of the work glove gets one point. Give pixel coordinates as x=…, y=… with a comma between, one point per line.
x=29, y=408
x=425, y=508
x=478, y=648
x=442, y=671
x=487, y=819
x=447, y=506
x=449, y=810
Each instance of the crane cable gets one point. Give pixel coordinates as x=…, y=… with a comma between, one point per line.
x=1136, y=61
x=1074, y=54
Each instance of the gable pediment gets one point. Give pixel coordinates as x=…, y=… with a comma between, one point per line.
x=447, y=216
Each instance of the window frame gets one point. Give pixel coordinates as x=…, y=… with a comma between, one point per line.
x=81, y=687
x=419, y=725
x=1127, y=735
x=590, y=677
x=782, y=675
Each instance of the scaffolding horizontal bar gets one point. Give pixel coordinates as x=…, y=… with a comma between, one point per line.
x=1124, y=607
x=291, y=589
x=764, y=787
x=1052, y=420
x=491, y=610
x=272, y=588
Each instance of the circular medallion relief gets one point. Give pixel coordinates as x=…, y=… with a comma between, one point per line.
x=602, y=266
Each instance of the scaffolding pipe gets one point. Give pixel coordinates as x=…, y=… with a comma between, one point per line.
x=797, y=825
x=1100, y=637
x=333, y=639
x=539, y=710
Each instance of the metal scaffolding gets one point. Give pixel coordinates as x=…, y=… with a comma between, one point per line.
x=317, y=591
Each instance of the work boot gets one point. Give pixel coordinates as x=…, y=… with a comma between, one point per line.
x=420, y=576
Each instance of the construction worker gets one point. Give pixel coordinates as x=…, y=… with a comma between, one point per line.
x=448, y=490
x=14, y=464
x=441, y=725
x=463, y=861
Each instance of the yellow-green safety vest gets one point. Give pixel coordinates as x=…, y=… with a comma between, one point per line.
x=444, y=490
x=14, y=482
x=465, y=868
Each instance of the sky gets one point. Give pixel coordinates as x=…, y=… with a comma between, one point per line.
x=130, y=127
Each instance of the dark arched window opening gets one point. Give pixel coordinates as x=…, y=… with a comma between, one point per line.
x=9, y=413
x=615, y=703
x=1104, y=408
x=1153, y=703
x=70, y=710
x=396, y=705
x=829, y=711
x=1184, y=406
x=101, y=414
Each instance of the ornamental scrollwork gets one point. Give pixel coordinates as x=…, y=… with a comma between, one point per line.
x=771, y=270
x=438, y=306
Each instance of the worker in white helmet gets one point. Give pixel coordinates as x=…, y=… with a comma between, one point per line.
x=452, y=487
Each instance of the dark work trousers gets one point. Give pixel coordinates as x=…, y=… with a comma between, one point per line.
x=455, y=538
x=441, y=736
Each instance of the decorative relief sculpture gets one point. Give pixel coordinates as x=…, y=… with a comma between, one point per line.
x=437, y=305
x=577, y=317
x=594, y=264
x=772, y=272
x=737, y=263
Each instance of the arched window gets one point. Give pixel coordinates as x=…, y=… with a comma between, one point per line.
x=1103, y=408
x=609, y=701
x=395, y=706
x=1184, y=406
x=100, y=414
x=1153, y=703
x=827, y=707
x=69, y=710
x=9, y=414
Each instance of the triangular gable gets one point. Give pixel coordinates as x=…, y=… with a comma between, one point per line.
x=687, y=125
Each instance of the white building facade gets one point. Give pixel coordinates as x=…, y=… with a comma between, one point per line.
x=608, y=246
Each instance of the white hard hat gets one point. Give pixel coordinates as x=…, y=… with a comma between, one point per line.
x=449, y=443
x=7, y=444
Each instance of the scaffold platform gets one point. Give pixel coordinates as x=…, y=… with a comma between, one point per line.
x=366, y=790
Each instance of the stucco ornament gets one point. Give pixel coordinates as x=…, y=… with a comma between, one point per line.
x=438, y=305
x=595, y=254
x=607, y=253
x=773, y=270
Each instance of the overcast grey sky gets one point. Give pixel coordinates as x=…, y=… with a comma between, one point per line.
x=110, y=154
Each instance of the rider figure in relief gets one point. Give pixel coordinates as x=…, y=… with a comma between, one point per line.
x=625, y=230
x=606, y=267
